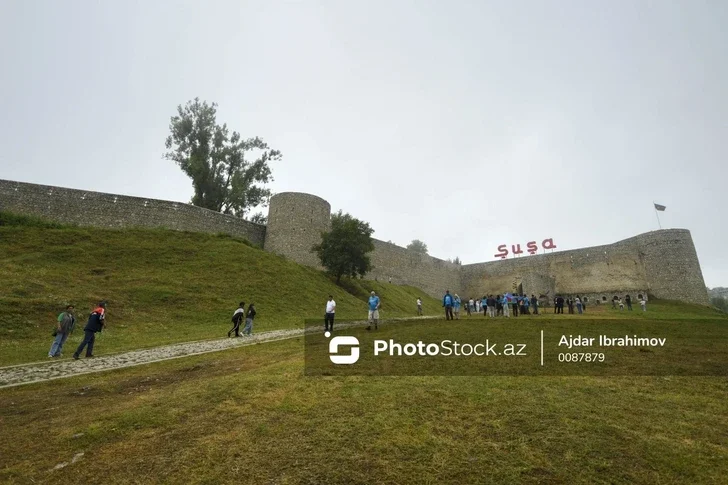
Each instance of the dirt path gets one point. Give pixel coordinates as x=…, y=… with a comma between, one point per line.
x=58, y=369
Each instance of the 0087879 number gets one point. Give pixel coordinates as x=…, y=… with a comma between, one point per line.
x=581, y=357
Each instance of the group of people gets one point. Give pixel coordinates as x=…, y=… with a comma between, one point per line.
x=237, y=320
x=499, y=305
x=490, y=305
x=65, y=324
x=373, y=304
x=559, y=303
x=512, y=304
x=617, y=301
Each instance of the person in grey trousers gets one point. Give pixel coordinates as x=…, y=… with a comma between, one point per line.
x=64, y=326
x=248, y=329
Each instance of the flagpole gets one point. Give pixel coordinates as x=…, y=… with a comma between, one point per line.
x=657, y=214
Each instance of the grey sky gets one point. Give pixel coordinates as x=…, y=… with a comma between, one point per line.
x=464, y=124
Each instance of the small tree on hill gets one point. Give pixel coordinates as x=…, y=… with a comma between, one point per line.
x=457, y=261
x=224, y=180
x=720, y=303
x=417, y=246
x=343, y=250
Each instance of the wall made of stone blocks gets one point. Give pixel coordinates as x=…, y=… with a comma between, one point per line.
x=406, y=267
x=295, y=224
x=610, y=268
x=661, y=263
x=88, y=208
x=671, y=265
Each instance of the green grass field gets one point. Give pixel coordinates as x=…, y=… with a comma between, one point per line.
x=162, y=287
x=250, y=415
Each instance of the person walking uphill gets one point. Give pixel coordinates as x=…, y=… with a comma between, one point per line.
x=447, y=303
x=237, y=319
x=248, y=329
x=64, y=326
x=329, y=317
x=373, y=316
x=96, y=323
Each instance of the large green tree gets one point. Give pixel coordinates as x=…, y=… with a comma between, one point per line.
x=228, y=172
x=343, y=250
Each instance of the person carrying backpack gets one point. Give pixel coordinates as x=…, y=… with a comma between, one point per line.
x=96, y=323
x=65, y=323
x=237, y=319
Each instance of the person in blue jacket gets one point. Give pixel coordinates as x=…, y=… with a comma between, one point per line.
x=448, y=302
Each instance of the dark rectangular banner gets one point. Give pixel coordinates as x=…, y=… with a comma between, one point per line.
x=469, y=347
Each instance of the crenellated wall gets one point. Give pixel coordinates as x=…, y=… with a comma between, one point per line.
x=660, y=263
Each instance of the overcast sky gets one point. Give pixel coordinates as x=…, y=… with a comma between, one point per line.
x=463, y=124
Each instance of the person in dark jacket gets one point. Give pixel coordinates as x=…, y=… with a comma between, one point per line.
x=237, y=319
x=64, y=326
x=560, y=304
x=534, y=304
x=248, y=329
x=96, y=323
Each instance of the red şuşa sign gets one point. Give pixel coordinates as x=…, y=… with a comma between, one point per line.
x=531, y=248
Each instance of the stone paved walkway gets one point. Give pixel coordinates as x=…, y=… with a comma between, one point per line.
x=57, y=369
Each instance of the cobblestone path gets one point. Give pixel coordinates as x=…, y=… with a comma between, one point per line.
x=57, y=369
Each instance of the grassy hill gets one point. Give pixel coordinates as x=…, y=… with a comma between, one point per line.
x=161, y=286
x=248, y=415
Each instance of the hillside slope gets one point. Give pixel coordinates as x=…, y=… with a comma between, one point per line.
x=162, y=287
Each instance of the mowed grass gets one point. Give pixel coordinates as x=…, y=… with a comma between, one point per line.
x=697, y=347
x=161, y=286
x=249, y=415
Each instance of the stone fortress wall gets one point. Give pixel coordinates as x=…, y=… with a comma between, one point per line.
x=661, y=263
x=88, y=208
x=295, y=224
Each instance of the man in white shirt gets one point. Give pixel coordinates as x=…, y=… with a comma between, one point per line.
x=329, y=318
x=419, y=307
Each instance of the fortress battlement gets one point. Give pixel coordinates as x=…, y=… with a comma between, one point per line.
x=661, y=263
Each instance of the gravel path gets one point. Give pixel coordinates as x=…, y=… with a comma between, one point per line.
x=58, y=369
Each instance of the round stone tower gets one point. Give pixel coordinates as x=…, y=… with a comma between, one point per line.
x=671, y=265
x=295, y=223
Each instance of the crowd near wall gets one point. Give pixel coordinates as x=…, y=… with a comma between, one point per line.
x=87, y=208
x=661, y=263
